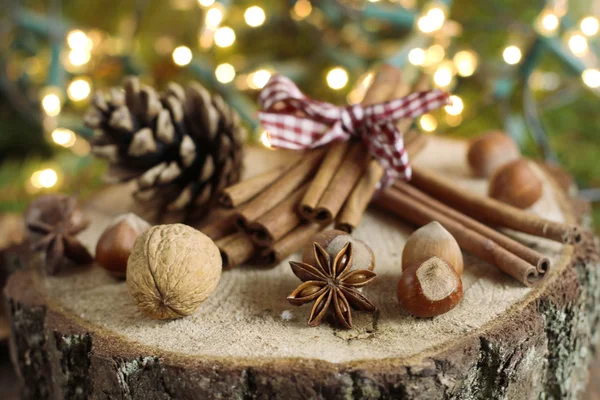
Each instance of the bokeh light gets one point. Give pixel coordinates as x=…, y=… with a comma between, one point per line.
x=254, y=16
x=337, y=78
x=224, y=36
x=225, y=73
x=182, y=56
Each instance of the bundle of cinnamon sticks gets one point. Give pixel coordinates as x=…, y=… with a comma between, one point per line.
x=276, y=213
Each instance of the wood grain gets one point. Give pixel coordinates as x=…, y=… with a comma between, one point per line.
x=246, y=341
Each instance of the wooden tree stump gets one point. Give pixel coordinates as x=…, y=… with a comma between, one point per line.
x=79, y=335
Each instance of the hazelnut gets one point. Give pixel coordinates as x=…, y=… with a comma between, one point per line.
x=516, y=184
x=491, y=151
x=117, y=240
x=171, y=270
x=432, y=240
x=429, y=288
x=333, y=241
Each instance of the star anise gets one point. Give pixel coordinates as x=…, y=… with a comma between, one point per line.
x=331, y=284
x=53, y=221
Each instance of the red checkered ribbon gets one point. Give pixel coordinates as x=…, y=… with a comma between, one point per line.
x=295, y=121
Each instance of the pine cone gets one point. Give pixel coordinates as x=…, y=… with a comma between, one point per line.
x=182, y=147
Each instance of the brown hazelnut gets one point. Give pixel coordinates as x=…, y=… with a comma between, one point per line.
x=432, y=240
x=491, y=151
x=171, y=270
x=117, y=240
x=333, y=241
x=516, y=184
x=429, y=288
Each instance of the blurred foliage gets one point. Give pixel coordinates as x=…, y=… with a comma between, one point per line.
x=304, y=50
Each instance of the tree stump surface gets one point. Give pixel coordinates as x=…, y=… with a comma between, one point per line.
x=79, y=335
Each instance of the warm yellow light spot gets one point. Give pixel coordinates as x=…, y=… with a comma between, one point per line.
x=225, y=73
x=511, y=55
x=578, y=44
x=416, y=56
x=355, y=96
x=45, y=178
x=434, y=54
x=78, y=57
x=182, y=56
x=432, y=21
x=78, y=40
x=443, y=75
x=79, y=89
x=51, y=104
x=456, y=106
x=265, y=140
x=63, y=137
x=368, y=80
x=453, y=120
x=214, y=17
x=258, y=79
x=164, y=45
x=428, y=123
x=589, y=26
x=254, y=16
x=224, y=36
x=550, y=22
x=591, y=77
x=206, y=3
x=302, y=9
x=81, y=147
x=465, y=62
x=337, y=78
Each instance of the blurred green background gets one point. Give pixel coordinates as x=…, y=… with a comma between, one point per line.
x=527, y=67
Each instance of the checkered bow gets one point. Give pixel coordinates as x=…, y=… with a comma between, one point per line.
x=295, y=121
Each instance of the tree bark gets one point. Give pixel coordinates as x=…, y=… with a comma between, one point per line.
x=538, y=349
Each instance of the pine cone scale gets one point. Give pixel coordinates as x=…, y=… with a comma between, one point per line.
x=182, y=146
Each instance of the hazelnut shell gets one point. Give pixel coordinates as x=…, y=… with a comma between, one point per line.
x=516, y=184
x=491, y=151
x=116, y=242
x=429, y=288
x=333, y=241
x=432, y=240
x=172, y=270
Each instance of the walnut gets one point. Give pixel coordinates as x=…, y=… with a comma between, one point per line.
x=171, y=270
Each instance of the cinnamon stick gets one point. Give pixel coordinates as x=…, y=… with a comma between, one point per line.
x=359, y=199
x=279, y=190
x=331, y=163
x=219, y=228
x=342, y=183
x=235, y=249
x=289, y=244
x=247, y=189
x=361, y=195
x=491, y=211
x=422, y=83
x=384, y=84
x=414, y=211
x=533, y=257
x=277, y=222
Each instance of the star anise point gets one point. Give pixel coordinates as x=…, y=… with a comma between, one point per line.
x=331, y=284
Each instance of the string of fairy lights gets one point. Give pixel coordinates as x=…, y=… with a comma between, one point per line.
x=432, y=21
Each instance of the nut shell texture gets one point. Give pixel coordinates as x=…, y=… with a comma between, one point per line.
x=516, y=184
x=171, y=270
x=429, y=288
x=432, y=240
x=333, y=241
x=491, y=151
